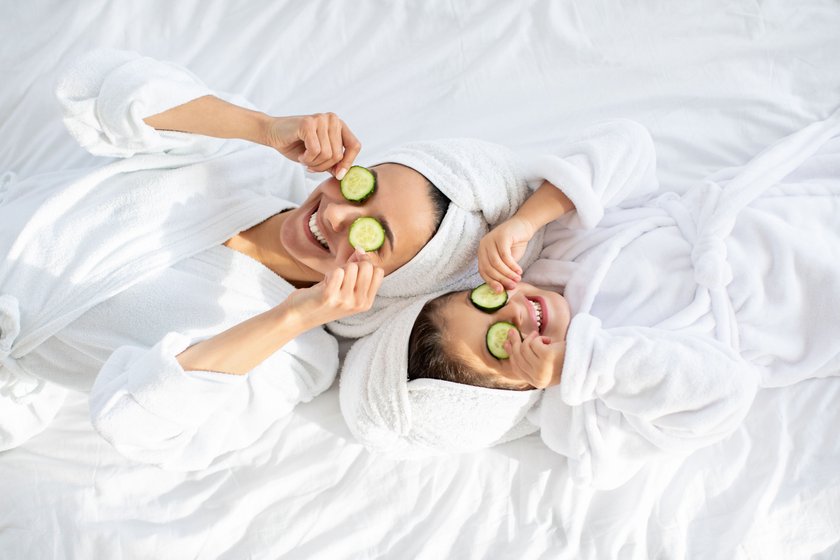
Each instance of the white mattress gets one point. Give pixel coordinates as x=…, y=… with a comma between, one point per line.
x=715, y=81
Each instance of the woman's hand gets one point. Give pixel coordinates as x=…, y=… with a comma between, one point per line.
x=344, y=291
x=321, y=141
x=500, y=249
x=537, y=359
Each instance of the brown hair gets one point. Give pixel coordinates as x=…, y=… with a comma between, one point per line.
x=429, y=358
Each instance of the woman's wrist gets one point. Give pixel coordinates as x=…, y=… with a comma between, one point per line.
x=289, y=318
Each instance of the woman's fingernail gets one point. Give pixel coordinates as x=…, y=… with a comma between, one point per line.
x=341, y=173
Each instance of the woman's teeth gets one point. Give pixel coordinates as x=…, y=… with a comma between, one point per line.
x=313, y=227
x=538, y=311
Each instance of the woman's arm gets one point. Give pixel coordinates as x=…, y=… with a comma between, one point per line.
x=211, y=116
x=120, y=104
x=344, y=291
x=321, y=142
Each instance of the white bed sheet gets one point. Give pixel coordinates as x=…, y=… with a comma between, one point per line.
x=715, y=81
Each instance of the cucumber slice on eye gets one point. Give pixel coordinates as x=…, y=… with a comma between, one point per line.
x=485, y=299
x=497, y=336
x=367, y=234
x=358, y=184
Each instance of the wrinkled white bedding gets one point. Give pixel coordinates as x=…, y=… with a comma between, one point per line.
x=714, y=81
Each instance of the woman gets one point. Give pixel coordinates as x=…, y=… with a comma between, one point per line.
x=159, y=281
x=674, y=310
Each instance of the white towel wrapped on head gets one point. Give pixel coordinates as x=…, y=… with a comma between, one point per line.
x=406, y=420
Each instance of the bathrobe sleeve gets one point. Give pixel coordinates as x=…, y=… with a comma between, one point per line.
x=152, y=411
x=608, y=164
x=106, y=94
x=630, y=395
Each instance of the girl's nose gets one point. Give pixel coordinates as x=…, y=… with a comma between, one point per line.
x=518, y=313
x=511, y=312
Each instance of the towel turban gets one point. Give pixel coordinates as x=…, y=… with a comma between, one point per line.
x=409, y=419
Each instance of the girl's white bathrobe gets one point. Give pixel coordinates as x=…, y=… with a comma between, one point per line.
x=109, y=273
x=683, y=306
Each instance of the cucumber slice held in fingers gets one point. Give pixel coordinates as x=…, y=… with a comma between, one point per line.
x=484, y=298
x=358, y=184
x=497, y=336
x=367, y=234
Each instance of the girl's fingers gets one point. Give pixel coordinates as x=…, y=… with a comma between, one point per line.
x=503, y=269
x=513, y=343
x=489, y=275
x=507, y=258
x=493, y=276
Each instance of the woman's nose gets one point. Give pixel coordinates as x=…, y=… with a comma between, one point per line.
x=339, y=215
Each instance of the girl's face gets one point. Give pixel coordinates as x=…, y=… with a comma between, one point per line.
x=401, y=203
x=465, y=327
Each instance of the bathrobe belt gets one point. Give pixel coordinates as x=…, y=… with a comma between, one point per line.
x=14, y=381
x=705, y=224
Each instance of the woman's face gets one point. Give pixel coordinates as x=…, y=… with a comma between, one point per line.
x=401, y=203
x=465, y=327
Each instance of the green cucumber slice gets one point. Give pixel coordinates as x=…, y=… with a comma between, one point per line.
x=358, y=184
x=485, y=299
x=497, y=336
x=367, y=234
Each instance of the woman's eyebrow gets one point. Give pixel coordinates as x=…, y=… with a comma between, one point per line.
x=388, y=232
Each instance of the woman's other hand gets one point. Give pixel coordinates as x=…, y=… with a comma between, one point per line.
x=322, y=142
x=343, y=292
x=500, y=249
x=537, y=359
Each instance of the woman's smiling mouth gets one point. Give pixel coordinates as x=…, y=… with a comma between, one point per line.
x=314, y=232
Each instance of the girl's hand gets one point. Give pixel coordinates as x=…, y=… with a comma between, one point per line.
x=537, y=359
x=321, y=141
x=499, y=251
x=344, y=291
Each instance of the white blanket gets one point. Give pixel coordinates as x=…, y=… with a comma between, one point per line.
x=714, y=81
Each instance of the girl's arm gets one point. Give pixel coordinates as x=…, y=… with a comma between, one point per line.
x=505, y=244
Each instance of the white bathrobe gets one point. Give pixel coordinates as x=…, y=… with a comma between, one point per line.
x=110, y=273
x=683, y=306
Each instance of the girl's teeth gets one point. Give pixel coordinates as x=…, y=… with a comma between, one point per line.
x=538, y=310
